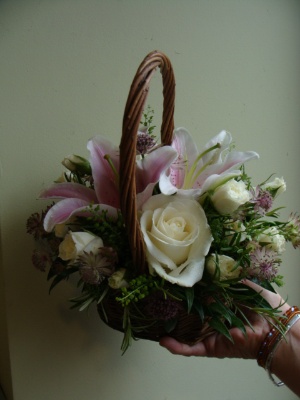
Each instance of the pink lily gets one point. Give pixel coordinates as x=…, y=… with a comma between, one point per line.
x=195, y=173
x=104, y=159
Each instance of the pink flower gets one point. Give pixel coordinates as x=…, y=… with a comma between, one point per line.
x=195, y=173
x=75, y=198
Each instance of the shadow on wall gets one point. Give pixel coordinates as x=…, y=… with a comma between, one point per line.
x=2, y=396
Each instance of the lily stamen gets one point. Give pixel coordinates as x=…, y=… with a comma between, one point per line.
x=192, y=174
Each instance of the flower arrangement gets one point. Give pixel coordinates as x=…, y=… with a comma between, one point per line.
x=205, y=228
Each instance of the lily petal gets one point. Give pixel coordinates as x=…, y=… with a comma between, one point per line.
x=67, y=208
x=105, y=176
x=144, y=195
x=232, y=160
x=149, y=169
x=69, y=190
x=193, y=173
x=166, y=184
x=62, y=211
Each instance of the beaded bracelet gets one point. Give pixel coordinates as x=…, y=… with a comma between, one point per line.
x=273, y=338
x=292, y=321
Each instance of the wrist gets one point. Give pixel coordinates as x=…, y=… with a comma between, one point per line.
x=284, y=355
x=277, y=342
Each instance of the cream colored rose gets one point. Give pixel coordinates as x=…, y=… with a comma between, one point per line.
x=272, y=239
x=75, y=243
x=177, y=238
x=222, y=267
x=277, y=186
x=229, y=197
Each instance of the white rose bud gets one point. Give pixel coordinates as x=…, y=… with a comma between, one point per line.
x=75, y=243
x=230, y=196
x=177, y=238
x=272, y=239
x=116, y=280
x=223, y=269
x=276, y=187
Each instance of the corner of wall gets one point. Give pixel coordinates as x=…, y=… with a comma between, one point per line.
x=5, y=367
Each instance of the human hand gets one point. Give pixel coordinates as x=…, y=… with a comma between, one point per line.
x=243, y=346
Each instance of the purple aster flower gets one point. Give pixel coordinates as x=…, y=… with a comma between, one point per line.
x=94, y=268
x=34, y=224
x=41, y=259
x=264, y=263
x=262, y=200
x=145, y=143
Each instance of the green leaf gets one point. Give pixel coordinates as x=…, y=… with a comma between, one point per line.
x=64, y=275
x=199, y=308
x=237, y=322
x=170, y=324
x=56, y=280
x=220, y=327
x=219, y=308
x=189, y=295
x=86, y=304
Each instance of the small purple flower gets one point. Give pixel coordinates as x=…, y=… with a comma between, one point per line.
x=264, y=263
x=94, y=268
x=34, y=224
x=41, y=259
x=262, y=200
x=145, y=143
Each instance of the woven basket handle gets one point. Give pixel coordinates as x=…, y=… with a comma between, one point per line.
x=131, y=122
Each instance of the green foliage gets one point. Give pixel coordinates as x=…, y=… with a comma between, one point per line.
x=138, y=288
x=147, y=121
x=111, y=230
x=60, y=276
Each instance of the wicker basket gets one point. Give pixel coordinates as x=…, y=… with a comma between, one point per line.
x=188, y=327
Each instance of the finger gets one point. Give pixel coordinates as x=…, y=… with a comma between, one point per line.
x=274, y=299
x=176, y=347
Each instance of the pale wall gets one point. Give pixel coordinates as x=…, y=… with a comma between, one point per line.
x=66, y=67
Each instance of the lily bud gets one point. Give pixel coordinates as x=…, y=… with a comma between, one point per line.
x=77, y=164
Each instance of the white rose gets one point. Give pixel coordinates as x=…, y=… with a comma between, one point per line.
x=75, y=243
x=277, y=186
x=230, y=196
x=177, y=238
x=223, y=267
x=272, y=239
